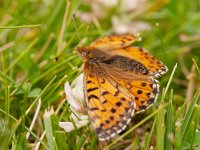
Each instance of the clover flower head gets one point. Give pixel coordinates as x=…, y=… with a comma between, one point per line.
x=75, y=98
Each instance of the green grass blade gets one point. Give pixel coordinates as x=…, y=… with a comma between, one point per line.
x=22, y=54
x=39, y=96
x=81, y=142
x=46, y=73
x=196, y=65
x=31, y=107
x=7, y=103
x=22, y=26
x=93, y=142
x=187, y=120
x=48, y=129
x=179, y=112
x=160, y=126
x=148, y=139
x=170, y=79
x=195, y=126
x=33, y=134
x=169, y=123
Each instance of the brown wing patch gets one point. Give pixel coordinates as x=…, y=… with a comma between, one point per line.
x=155, y=67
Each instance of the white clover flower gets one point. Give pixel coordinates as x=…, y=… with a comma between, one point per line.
x=75, y=97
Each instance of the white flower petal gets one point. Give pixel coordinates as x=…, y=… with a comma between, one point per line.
x=69, y=126
x=84, y=122
x=75, y=97
x=77, y=86
x=71, y=100
x=78, y=117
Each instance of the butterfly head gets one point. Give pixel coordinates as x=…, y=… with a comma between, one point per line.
x=82, y=52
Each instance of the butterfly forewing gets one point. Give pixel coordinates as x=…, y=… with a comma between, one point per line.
x=109, y=106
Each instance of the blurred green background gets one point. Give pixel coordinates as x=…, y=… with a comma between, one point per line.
x=34, y=32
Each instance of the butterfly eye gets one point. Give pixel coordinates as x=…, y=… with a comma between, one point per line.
x=83, y=53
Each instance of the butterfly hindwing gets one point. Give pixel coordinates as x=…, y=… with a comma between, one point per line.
x=144, y=92
x=113, y=42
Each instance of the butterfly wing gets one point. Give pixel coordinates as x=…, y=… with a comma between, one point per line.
x=120, y=45
x=155, y=67
x=143, y=88
x=113, y=42
x=110, y=107
x=144, y=92
x=133, y=76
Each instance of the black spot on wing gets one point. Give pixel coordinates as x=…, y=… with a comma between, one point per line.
x=139, y=91
x=94, y=108
x=105, y=93
x=118, y=104
x=113, y=110
x=92, y=89
x=116, y=93
x=92, y=97
x=89, y=81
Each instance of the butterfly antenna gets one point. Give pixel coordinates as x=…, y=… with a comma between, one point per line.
x=73, y=18
x=61, y=55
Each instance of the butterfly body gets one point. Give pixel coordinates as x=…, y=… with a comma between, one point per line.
x=119, y=81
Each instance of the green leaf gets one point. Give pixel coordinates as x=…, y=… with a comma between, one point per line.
x=34, y=93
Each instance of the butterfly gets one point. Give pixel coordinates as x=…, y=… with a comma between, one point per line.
x=119, y=81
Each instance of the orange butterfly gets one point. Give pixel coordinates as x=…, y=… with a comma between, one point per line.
x=119, y=80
